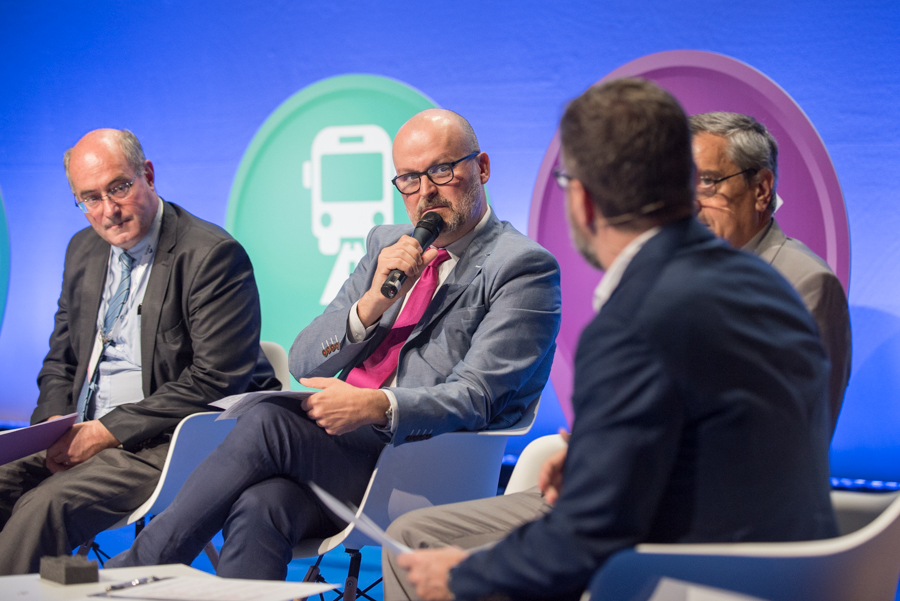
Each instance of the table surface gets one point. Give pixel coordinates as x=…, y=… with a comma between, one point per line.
x=28, y=587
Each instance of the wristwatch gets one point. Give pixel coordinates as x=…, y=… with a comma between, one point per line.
x=389, y=416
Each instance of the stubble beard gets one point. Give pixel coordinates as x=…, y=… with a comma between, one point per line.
x=459, y=215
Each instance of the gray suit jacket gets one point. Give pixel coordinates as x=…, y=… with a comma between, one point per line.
x=200, y=323
x=479, y=355
x=822, y=294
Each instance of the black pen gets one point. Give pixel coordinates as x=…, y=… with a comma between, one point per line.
x=131, y=583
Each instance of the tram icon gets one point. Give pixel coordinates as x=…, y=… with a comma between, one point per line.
x=349, y=177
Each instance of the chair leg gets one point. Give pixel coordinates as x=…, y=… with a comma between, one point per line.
x=89, y=546
x=363, y=592
x=312, y=574
x=138, y=526
x=85, y=548
x=352, y=575
x=213, y=554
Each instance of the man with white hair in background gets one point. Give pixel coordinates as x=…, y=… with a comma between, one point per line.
x=737, y=171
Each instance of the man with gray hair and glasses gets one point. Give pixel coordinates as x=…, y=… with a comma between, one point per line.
x=737, y=173
x=158, y=316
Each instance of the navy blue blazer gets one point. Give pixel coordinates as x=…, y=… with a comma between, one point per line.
x=701, y=415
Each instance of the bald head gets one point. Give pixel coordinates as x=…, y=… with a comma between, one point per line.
x=441, y=137
x=120, y=140
x=115, y=184
x=438, y=126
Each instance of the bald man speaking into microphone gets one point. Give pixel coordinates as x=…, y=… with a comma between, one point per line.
x=465, y=343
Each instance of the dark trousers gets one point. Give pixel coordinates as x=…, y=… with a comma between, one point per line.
x=253, y=488
x=51, y=514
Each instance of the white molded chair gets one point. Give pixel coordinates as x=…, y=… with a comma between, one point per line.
x=449, y=468
x=861, y=566
x=195, y=437
x=525, y=474
x=277, y=356
x=857, y=509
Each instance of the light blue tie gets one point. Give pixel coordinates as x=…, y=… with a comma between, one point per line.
x=119, y=298
x=109, y=320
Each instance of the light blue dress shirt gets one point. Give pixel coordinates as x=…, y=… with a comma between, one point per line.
x=120, y=379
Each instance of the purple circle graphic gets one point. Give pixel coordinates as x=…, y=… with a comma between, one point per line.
x=813, y=210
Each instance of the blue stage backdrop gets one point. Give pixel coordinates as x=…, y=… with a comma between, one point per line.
x=196, y=80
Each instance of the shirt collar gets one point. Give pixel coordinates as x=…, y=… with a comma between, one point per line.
x=613, y=275
x=456, y=249
x=147, y=244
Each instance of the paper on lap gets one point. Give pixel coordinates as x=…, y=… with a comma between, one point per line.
x=22, y=442
x=238, y=404
x=361, y=522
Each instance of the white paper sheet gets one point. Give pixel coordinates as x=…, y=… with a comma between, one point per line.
x=238, y=404
x=362, y=522
x=220, y=589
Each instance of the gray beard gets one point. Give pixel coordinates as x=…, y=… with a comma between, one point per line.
x=459, y=216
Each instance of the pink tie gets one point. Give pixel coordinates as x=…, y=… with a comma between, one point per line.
x=379, y=366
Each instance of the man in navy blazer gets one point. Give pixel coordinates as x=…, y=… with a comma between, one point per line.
x=700, y=387
x=475, y=359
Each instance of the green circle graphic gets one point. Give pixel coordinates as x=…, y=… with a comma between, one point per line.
x=4, y=259
x=314, y=180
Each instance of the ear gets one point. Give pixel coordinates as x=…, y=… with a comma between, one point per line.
x=582, y=206
x=762, y=189
x=148, y=174
x=484, y=167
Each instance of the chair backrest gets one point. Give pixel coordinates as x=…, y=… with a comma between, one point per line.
x=863, y=566
x=525, y=474
x=195, y=437
x=855, y=509
x=452, y=467
x=277, y=356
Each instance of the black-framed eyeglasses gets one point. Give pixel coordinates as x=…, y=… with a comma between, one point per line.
x=409, y=183
x=562, y=179
x=120, y=192
x=706, y=186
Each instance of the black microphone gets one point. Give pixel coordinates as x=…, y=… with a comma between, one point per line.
x=426, y=232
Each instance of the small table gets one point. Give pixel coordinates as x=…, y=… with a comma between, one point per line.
x=28, y=587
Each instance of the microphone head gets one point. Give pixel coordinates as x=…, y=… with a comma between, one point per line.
x=433, y=222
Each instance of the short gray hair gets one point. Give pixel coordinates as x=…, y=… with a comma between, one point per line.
x=750, y=145
x=130, y=146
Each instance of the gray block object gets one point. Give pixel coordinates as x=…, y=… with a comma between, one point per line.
x=69, y=569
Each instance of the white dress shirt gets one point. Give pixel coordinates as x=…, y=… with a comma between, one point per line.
x=613, y=275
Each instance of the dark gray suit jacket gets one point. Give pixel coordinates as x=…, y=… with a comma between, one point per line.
x=199, y=330
x=823, y=295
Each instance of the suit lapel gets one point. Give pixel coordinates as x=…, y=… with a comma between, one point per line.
x=469, y=266
x=157, y=285
x=463, y=273
x=771, y=243
x=94, y=276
